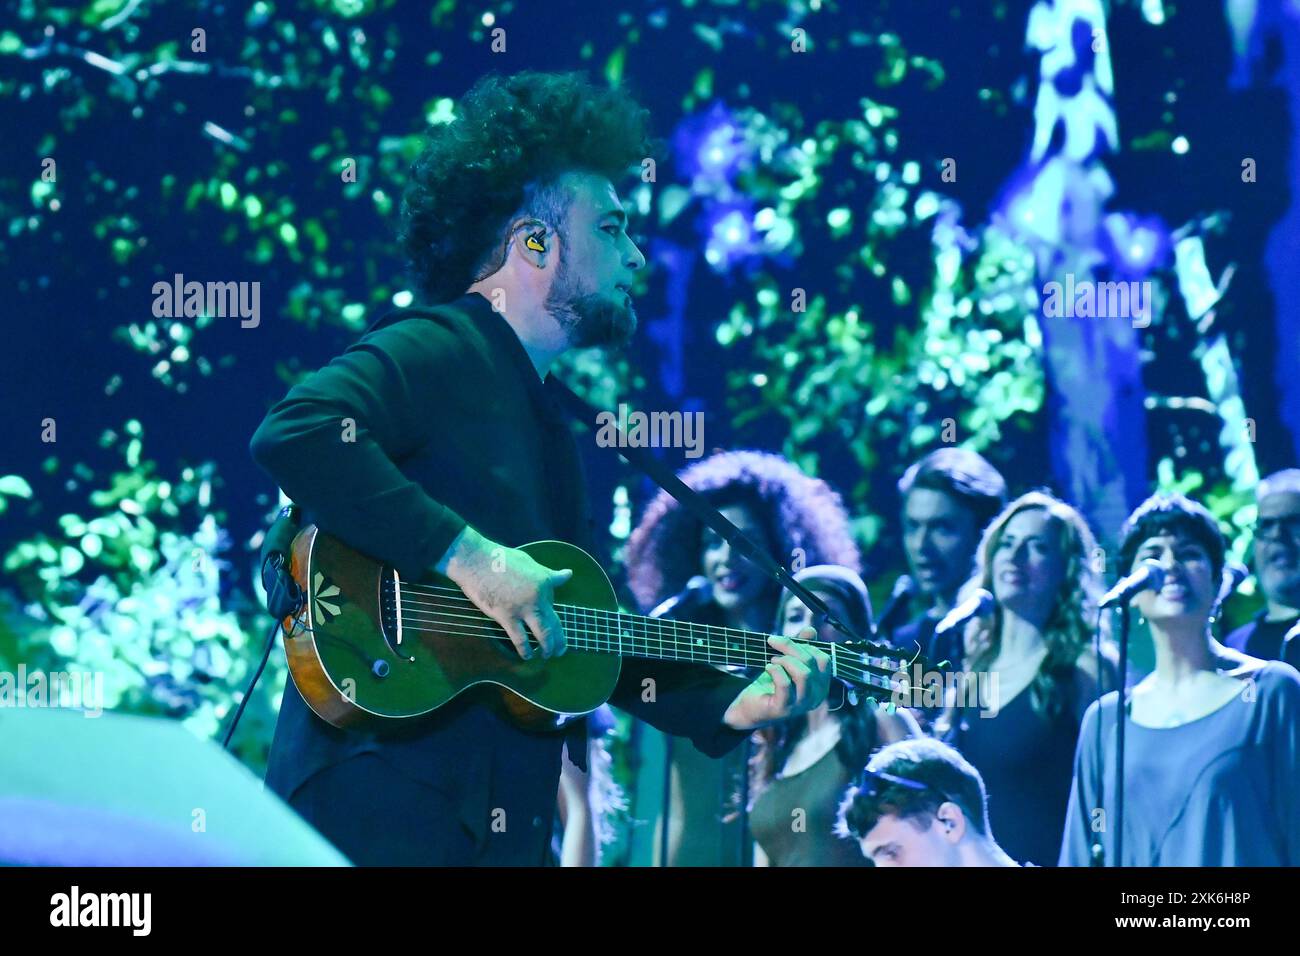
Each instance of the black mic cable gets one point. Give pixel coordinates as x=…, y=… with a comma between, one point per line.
x=248, y=692
x=283, y=596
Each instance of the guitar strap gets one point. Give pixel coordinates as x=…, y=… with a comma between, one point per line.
x=699, y=506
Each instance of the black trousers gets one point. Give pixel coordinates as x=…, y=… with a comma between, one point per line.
x=377, y=816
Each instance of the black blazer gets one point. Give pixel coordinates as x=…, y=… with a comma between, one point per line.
x=449, y=423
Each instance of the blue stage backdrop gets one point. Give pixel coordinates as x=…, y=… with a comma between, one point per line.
x=1060, y=233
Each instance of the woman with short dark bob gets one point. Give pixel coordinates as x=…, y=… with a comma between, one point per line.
x=1212, y=738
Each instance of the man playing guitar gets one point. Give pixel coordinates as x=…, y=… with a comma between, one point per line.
x=436, y=443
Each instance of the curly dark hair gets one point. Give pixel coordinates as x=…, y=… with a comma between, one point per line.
x=502, y=158
x=796, y=511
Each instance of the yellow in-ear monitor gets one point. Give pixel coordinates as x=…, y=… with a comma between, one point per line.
x=534, y=243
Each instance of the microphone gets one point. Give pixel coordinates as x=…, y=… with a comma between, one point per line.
x=978, y=604
x=1234, y=572
x=698, y=590
x=904, y=588
x=283, y=596
x=1149, y=575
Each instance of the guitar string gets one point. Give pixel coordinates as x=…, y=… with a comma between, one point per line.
x=583, y=617
x=601, y=642
x=435, y=590
x=865, y=678
x=881, y=662
x=847, y=661
x=481, y=627
x=872, y=674
x=599, y=615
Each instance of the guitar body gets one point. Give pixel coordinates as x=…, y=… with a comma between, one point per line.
x=350, y=666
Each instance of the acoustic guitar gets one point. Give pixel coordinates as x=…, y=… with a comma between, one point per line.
x=370, y=649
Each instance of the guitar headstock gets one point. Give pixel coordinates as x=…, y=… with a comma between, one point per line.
x=880, y=671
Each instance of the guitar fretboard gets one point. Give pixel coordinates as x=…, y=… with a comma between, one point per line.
x=634, y=635
x=422, y=606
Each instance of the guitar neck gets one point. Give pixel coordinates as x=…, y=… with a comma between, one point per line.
x=866, y=665
x=633, y=635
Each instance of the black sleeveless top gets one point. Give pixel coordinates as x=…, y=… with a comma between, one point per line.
x=806, y=839
x=1027, y=762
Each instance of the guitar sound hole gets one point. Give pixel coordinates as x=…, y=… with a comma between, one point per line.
x=506, y=649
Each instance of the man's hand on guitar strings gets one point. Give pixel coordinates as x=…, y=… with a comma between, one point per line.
x=511, y=588
x=791, y=684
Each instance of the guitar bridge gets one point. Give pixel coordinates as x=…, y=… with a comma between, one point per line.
x=390, y=610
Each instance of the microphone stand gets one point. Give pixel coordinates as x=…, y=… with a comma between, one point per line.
x=1122, y=594
x=1121, y=718
x=1097, y=851
x=664, y=610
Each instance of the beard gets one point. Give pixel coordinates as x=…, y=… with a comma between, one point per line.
x=589, y=320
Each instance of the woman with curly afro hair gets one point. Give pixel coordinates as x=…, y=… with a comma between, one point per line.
x=799, y=521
